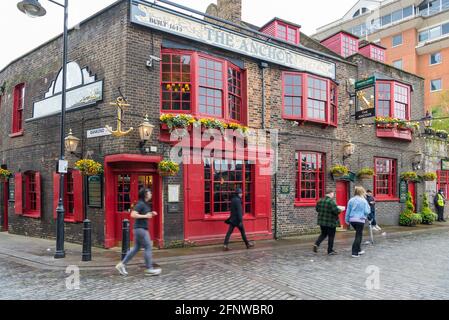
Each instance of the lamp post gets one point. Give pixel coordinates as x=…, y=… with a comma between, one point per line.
x=33, y=8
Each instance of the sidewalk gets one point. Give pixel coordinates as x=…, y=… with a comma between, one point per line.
x=39, y=252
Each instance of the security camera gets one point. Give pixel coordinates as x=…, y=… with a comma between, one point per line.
x=152, y=59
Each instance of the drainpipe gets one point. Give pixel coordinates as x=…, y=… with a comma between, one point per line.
x=263, y=66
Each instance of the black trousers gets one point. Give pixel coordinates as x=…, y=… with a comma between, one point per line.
x=231, y=230
x=357, y=245
x=440, y=211
x=328, y=232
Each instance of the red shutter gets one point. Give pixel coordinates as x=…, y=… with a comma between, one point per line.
x=78, y=195
x=18, y=193
x=194, y=191
x=38, y=194
x=55, y=193
x=262, y=190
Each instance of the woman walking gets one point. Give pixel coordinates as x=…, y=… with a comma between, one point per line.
x=356, y=213
x=142, y=212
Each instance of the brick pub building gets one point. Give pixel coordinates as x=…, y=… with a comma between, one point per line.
x=271, y=78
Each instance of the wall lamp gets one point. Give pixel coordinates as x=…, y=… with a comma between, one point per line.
x=348, y=150
x=417, y=161
x=71, y=144
x=145, y=133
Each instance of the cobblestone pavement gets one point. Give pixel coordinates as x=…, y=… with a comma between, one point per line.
x=412, y=266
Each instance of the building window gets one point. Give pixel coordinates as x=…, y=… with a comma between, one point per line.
x=235, y=93
x=123, y=193
x=397, y=64
x=435, y=85
x=31, y=194
x=17, y=115
x=435, y=58
x=176, y=82
x=393, y=100
x=397, y=40
x=69, y=195
x=219, y=89
x=385, y=178
x=287, y=33
x=443, y=181
x=221, y=179
x=309, y=98
x=377, y=54
x=73, y=200
x=310, y=174
x=350, y=46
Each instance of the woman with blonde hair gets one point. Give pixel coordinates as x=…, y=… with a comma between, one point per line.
x=356, y=213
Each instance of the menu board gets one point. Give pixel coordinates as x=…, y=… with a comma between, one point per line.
x=403, y=190
x=95, y=191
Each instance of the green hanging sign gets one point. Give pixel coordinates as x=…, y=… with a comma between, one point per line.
x=403, y=191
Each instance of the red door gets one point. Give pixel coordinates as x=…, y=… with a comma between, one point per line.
x=342, y=194
x=4, y=205
x=412, y=190
x=127, y=186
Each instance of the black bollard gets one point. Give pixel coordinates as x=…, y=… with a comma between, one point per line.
x=87, y=240
x=125, y=238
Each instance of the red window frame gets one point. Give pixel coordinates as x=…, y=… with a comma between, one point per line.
x=310, y=182
x=232, y=101
x=377, y=54
x=176, y=82
x=17, y=114
x=295, y=96
x=69, y=195
x=443, y=181
x=227, y=186
x=73, y=200
x=385, y=179
x=395, y=97
x=349, y=46
x=32, y=194
x=288, y=33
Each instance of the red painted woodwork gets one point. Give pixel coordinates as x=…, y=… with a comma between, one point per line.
x=412, y=190
x=283, y=31
x=394, y=133
x=5, y=201
x=310, y=184
x=194, y=187
x=262, y=190
x=342, y=198
x=390, y=96
x=134, y=165
x=17, y=114
x=18, y=193
x=78, y=208
x=302, y=98
x=385, y=177
x=374, y=52
x=200, y=79
x=443, y=181
x=342, y=43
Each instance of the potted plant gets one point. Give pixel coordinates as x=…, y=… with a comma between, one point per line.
x=429, y=131
x=429, y=176
x=442, y=134
x=428, y=216
x=365, y=173
x=212, y=124
x=408, y=217
x=89, y=167
x=168, y=168
x=4, y=175
x=409, y=176
x=339, y=171
x=235, y=126
x=180, y=121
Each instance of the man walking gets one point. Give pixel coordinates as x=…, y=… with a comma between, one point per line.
x=372, y=215
x=439, y=202
x=236, y=220
x=328, y=212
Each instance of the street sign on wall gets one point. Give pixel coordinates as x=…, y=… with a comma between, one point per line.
x=445, y=164
x=365, y=94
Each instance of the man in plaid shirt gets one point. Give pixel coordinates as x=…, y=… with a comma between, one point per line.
x=328, y=212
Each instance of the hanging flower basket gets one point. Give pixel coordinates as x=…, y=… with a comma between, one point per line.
x=4, y=175
x=409, y=176
x=365, y=174
x=89, y=167
x=429, y=176
x=168, y=168
x=339, y=171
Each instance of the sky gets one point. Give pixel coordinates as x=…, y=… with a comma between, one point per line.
x=20, y=33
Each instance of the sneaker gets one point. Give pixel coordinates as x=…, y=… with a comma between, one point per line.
x=225, y=248
x=122, y=269
x=356, y=256
x=378, y=228
x=250, y=245
x=333, y=253
x=153, y=272
x=315, y=248
x=361, y=253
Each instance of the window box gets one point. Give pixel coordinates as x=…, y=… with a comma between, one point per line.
x=394, y=133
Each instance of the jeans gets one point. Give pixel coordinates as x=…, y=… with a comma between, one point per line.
x=372, y=218
x=231, y=229
x=356, y=246
x=141, y=239
x=327, y=232
x=440, y=211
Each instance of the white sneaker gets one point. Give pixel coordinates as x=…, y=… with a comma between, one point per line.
x=361, y=253
x=122, y=269
x=153, y=272
x=378, y=228
x=356, y=256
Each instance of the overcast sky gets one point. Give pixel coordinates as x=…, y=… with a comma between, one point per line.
x=20, y=34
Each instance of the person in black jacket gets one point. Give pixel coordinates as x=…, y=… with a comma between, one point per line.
x=236, y=220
